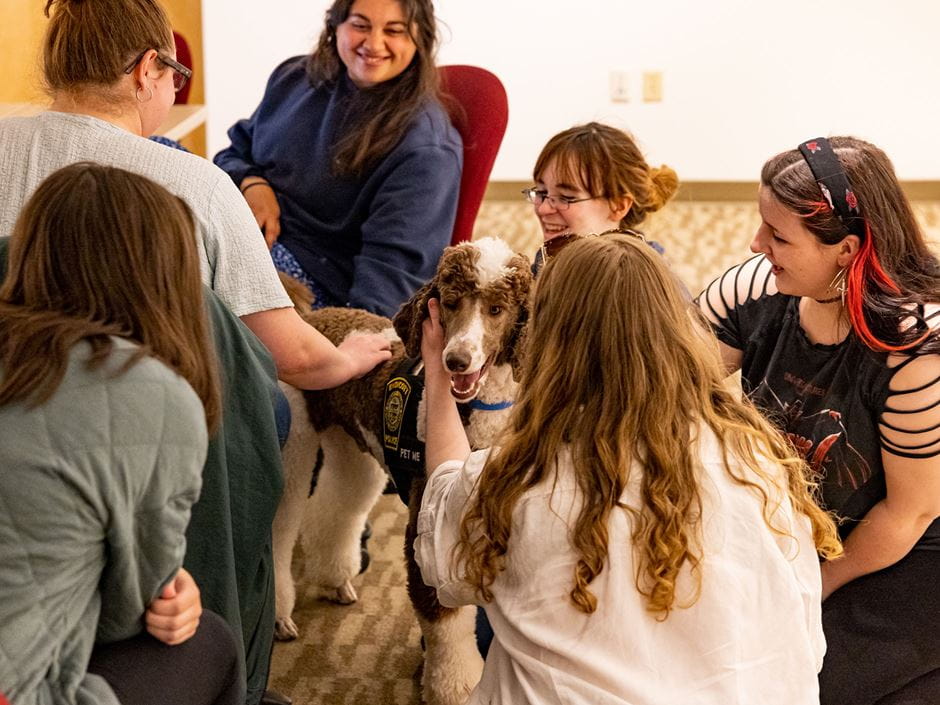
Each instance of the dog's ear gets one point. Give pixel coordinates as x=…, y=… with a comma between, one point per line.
x=521, y=282
x=517, y=342
x=411, y=315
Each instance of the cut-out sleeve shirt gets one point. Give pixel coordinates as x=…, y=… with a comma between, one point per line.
x=841, y=405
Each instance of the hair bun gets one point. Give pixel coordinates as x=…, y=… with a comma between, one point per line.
x=665, y=183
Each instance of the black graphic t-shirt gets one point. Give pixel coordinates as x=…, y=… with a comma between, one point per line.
x=828, y=399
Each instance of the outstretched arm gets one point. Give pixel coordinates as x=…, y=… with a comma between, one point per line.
x=452, y=472
x=306, y=359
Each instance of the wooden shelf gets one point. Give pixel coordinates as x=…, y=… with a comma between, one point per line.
x=181, y=120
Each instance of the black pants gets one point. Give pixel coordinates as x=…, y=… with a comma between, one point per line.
x=205, y=670
x=883, y=636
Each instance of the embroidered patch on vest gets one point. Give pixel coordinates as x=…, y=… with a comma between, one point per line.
x=397, y=392
x=404, y=453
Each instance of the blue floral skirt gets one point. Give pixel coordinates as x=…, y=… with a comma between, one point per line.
x=284, y=261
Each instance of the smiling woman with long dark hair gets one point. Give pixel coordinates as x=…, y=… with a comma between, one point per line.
x=350, y=164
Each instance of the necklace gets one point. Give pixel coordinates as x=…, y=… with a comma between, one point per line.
x=829, y=301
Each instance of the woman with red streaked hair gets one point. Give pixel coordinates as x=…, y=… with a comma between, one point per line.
x=834, y=329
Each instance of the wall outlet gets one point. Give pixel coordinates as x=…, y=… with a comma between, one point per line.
x=619, y=82
x=652, y=86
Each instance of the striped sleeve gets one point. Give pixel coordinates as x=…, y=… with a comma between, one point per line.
x=720, y=301
x=910, y=421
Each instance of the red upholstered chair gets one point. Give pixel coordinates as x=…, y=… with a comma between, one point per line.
x=476, y=101
x=185, y=57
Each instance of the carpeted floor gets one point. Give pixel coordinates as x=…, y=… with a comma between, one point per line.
x=369, y=653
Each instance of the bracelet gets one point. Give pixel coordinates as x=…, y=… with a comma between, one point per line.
x=256, y=183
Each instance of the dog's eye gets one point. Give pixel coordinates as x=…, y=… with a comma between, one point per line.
x=496, y=310
x=449, y=305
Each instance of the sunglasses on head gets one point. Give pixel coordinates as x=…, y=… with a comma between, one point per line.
x=551, y=248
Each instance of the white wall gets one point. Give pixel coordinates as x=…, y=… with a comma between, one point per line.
x=742, y=79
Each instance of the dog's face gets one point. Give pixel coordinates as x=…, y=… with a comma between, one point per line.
x=483, y=288
x=481, y=293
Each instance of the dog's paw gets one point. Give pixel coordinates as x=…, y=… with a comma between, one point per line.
x=452, y=688
x=345, y=594
x=285, y=629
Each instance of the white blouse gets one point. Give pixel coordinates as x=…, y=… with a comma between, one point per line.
x=753, y=637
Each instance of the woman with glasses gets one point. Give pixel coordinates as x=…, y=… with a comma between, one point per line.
x=111, y=70
x=593, y=179
x=350, y=164
x=834, y=328
x=638, y=535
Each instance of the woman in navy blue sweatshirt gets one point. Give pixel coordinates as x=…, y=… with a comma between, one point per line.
x=350, y=164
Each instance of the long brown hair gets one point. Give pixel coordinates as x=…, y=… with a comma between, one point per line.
x=617, y=368
x=99, y=252
x=608, y=164
x=379, y=116
x=89, y=43
x=897, y=241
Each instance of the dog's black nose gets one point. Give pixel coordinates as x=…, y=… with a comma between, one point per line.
x=457, y=362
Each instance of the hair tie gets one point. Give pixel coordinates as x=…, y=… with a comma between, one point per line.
x=834, y=184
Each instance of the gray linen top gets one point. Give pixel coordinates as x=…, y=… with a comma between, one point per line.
x=235, y=261
x=96, y=487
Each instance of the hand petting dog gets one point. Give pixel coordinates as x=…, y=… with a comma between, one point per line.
x=364, y=351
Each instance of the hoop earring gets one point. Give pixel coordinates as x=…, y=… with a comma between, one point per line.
x=137, y=94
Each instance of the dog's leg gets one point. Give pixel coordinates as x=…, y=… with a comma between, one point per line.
x=452, y=663
x=300, y=457
x=349, y=485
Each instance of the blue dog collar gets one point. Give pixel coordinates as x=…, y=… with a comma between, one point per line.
x=478, y=405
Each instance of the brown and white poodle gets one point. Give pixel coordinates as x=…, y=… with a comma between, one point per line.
x=358, y=431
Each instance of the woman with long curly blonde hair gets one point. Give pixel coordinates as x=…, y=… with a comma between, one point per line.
x=640, y=534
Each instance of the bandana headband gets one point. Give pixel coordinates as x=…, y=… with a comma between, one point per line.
x=834, y=184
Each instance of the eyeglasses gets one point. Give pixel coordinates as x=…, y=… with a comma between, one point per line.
x=181, y=74
x=551, y=248
x=560, y=203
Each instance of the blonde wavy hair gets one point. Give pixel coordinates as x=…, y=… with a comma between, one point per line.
x=618, y=367
x=608, y=164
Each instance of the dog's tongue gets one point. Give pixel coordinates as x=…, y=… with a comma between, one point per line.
x=464, y=385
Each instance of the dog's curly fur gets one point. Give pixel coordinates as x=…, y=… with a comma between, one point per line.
x=483, y=288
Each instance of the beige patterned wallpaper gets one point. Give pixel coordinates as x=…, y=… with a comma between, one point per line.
x=702, y=239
